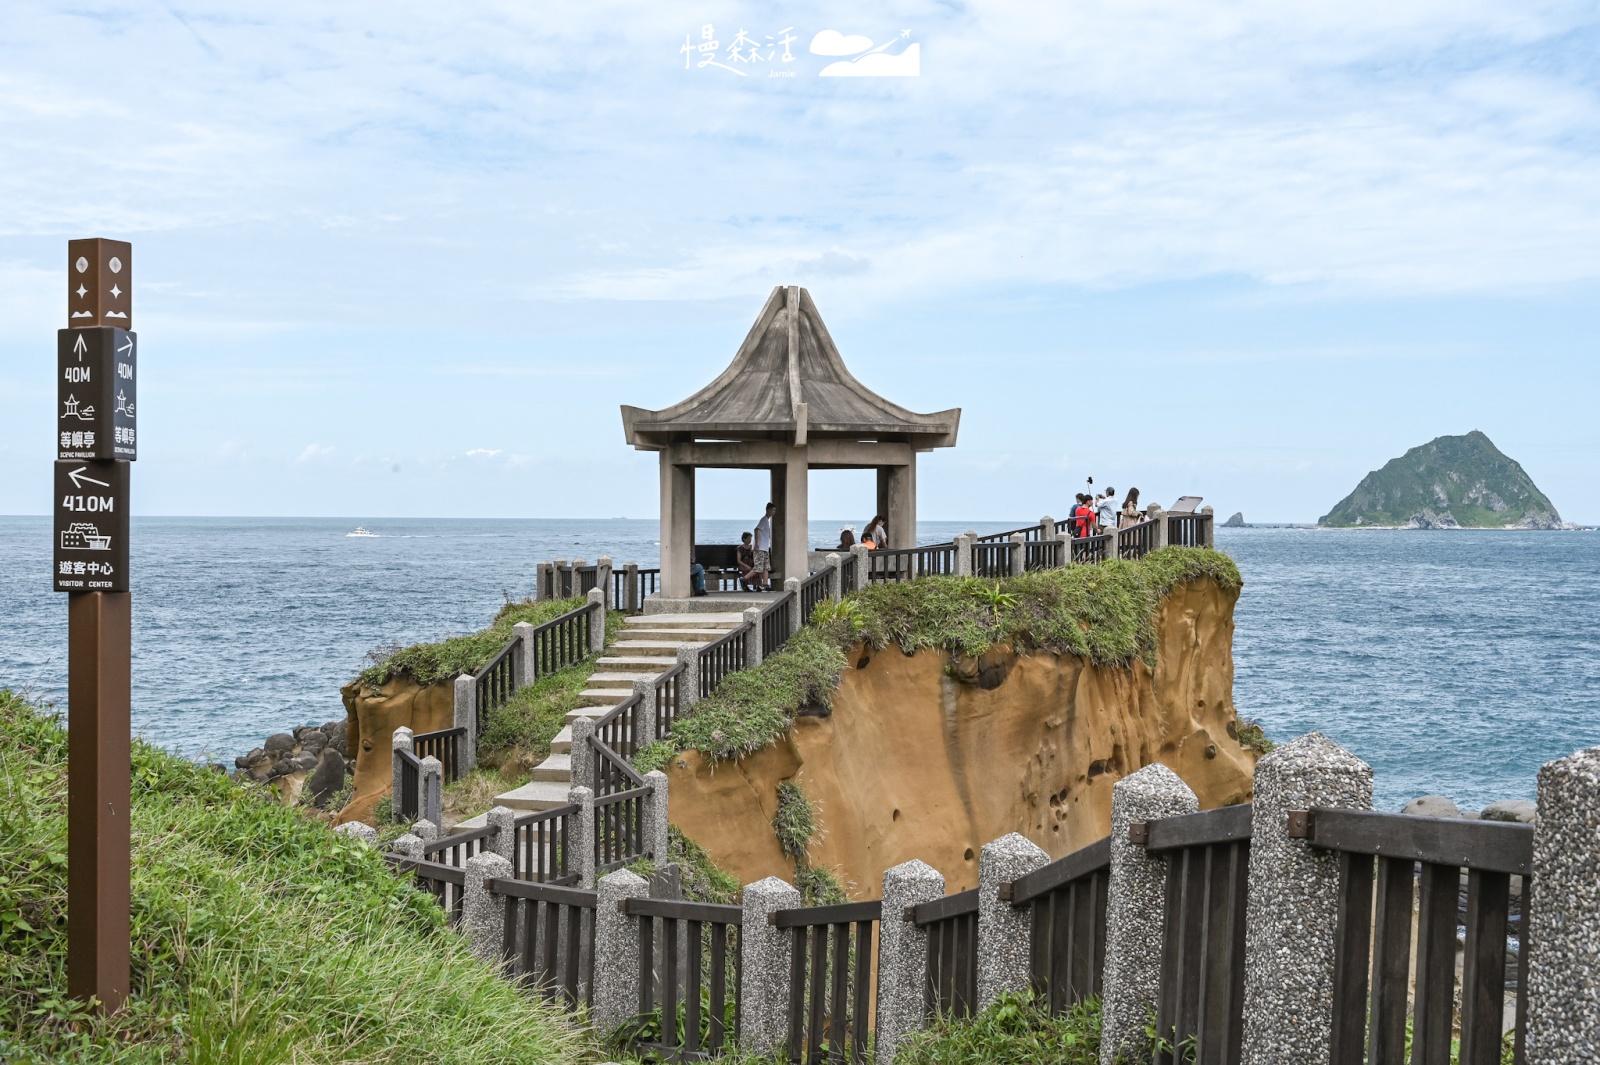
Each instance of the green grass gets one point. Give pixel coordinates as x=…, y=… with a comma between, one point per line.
x=1105, y=613
x=1014, y=1030
x=454, y=655
x=795, y=823
x=258, y=936
x=702, y=879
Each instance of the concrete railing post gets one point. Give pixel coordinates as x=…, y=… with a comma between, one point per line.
x=408, y=846
x=1004, y=931
x=1293, y=907
x=560, y=579
x=963, y=542
x=689, y=679
x=616, y=950
x=753, y=651
x=541, y=581
x=1563, y=996
x=863, y=563
x=1159, y=516
x=597, y=621
x=582, y=758
x=766, y=954
x=630, y=589
x=523, y=667
x=399, y=741
x=791, y=585
x=1208, y=527
x=1047, y=528
x=835, y=584
x=1136, y=899
x=504, y=843
x=430, y=787
x=1019, y=555
x=359, y=830
x=483, y=916
x=580, y=836
x=602, y=578
x=903, y=955
x=425, y=830
x=644, y=733
x=655, y=816
x=466, y=716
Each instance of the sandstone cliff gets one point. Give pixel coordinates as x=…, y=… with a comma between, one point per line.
x=372, y=717
x=931, y=755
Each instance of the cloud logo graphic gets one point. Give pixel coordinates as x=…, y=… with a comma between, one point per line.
x=832, y=42
x=908, y=64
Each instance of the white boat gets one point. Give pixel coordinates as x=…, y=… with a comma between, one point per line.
x=362, y=530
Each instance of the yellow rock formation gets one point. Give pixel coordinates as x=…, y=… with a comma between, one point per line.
x=930, y=756
x=371, y=719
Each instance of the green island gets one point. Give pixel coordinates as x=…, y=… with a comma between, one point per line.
x=1451, y=482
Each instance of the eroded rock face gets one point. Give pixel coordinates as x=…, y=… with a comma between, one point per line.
x=931, y=757
x=372, y=717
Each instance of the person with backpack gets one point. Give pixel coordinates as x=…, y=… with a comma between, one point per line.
x=1082, y=521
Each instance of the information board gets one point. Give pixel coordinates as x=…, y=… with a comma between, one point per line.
x=90, y=533
x=96, y=394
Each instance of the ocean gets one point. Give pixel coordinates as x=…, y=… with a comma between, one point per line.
x=1455, y=663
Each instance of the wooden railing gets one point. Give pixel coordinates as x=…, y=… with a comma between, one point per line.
x=444, y=745
x=776, y=626
x=952, y=926
x=619, y=829
x=454, y=850
x=1200, y=1004
x=561, y=642
x=1030, y=534
x=445, y=883
x=720, y=657
x=1041, y=555
x=1137, y=541
x=830, y=981
x=539, y=847
x=669, y=704
x=407, y=806
x=497, y=680
x=847, y=572
x=549, y=939
x=992, y=560
x=1414, y=865
x=1091, y=549
x=698, y=1002
x=1188, y=530
x=1067, y=910
x=618, y=728
x=814, y=590
x=646, y=582
x=909, y=563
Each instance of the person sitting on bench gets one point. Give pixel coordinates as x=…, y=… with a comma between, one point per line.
x=744, y=558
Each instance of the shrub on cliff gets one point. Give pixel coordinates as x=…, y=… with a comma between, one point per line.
x=429, y=662
x=1103, y=612
x=258, y=936
x=1015, y=1029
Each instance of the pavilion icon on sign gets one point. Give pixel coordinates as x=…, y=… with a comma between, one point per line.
x=84, y=536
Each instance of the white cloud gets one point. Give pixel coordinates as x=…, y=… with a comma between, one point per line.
x=314, y=452
x=908, y=64
x=832, y=42
x=483, y=453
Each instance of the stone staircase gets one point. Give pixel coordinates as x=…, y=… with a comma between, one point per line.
x=646, y=648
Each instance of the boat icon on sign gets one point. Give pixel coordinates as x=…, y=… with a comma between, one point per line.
x=84, y=536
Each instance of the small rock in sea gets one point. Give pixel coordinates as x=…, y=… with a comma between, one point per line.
x=1518, y=810
x=278, y=744
x=1433, y=806
x=327, y=779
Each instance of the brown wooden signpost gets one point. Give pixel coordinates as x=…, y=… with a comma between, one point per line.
x=96, y=439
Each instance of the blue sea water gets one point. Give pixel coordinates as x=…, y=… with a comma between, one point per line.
x=1454, y=662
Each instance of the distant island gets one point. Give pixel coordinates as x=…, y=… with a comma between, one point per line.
x=1451, y=482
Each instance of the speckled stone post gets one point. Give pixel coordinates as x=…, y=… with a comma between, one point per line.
x=616, y=951
x=1019, y=555
x=835, y=587
x=1003, y=930
x=1136, y=900
x=597, y=621
x=466, y=716
x=407, y=845
x=524, y=664
x=1065, y=554
x=1208, y=528
x=862, y=562
x=541, y=581
x=399, y=741
x=689, y=679
x=1294, y=899
x=963, y=542
x=655, y=816
x=504, y=842
x=425, y=830
x=559, y=575
x=792, y=586
x=430, y=789
x=602, y=577
x=483, y=916
x=903, y=955
x=1563, y=990
x=582, y=753
x=645, y=730
x=753, y=651
x=359, y=830
x=1047, y=527
x=1154, y=513
x=580, y=837
x=765, y=955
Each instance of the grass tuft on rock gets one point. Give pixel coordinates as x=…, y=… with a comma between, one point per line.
x=258, y=935
x=454, y=655
x=1104, y=612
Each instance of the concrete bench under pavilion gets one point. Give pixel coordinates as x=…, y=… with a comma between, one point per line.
x=788, y=405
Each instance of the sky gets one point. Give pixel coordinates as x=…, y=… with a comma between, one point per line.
x=408, y=260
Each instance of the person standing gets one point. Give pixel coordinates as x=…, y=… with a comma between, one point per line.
x=875, y=535
x=1105, y=512
x=1130, y=509
x=761, y=576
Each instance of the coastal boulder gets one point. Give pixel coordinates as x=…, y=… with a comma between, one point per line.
x=1519, y=810
x=326, y=779
x=1433, y=806
x=278, y=745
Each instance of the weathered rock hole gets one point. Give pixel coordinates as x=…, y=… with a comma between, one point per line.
x=896, y=816
x=863, y=661
x=968, y=855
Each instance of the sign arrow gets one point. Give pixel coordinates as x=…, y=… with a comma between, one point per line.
x=126, y=347
x=79, y=476
x=79, y=347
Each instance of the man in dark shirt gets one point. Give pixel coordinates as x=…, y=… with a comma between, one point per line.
x=744, y=558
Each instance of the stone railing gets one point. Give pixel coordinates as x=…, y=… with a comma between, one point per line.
x=1278, y=931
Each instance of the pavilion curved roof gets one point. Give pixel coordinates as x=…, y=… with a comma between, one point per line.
x=787, y=380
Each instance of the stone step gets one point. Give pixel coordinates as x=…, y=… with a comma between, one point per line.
x=662, y=648
x=597, y=710
x=562, y=744
x=678, y=635
x=633, y=664
x=613, y=680
x=558, y=767
x=606, y=696
x=534, y=795
x=708, y=620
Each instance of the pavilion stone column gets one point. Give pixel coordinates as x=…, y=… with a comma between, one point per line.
x=897, y=488
x=796, y=515
x=1292, y=914
x=677, y=526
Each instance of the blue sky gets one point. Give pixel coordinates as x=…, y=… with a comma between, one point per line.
x=402, y=259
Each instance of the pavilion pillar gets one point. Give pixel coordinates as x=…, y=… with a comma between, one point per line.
x=794, y=509
x=677, y=526
x=897, y=502
x=777, y=492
